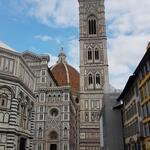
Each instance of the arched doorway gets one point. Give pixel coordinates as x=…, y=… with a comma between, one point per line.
x=22, y=144
x=53, y=147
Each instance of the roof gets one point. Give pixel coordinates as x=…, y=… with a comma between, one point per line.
x=50, y=73
x=5, y=46
x=32, y=55
x=65, y=74
x=127, y=86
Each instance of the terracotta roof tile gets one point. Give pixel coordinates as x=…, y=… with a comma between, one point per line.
x=62, y=71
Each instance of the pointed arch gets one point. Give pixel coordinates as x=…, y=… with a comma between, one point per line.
x=6, y=94
x=96, y=53
x=40, y=132
x=89, y=53
x=97, y=79
x=92, y=25
x=90, y=78
x=53, y=135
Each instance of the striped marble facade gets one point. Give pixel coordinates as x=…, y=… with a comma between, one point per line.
x=16, y=102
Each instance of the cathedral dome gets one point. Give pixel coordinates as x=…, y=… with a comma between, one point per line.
x=65, y=74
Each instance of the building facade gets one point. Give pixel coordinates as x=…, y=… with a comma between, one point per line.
x=93, y=72
x=56, y=106
x=144, y=87
x=16, y=102
x=132, y=117
x=135, y=97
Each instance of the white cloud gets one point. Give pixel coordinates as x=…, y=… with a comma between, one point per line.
x=62, y=13
x=53, y=60
x=44, y=38
x=128, y=31
x=73, y=54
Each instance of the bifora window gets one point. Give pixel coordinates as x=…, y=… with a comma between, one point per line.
x=90, y=79
x=97, y=78
x=92, y=25
x=89, y=54
x=96, y=54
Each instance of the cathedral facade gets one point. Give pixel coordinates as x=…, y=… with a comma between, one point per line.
x=56, y=105
x=39, y=106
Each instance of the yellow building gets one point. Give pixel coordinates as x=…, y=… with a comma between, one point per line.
x=144, y=87
x=136, y=107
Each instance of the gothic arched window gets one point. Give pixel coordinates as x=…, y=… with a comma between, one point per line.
x=86, y=116
x=65, y=131
x=92, y=25
x=90, y=78
x=97, y=79
x=40, y=132
x=96, y=54
x=89, y=54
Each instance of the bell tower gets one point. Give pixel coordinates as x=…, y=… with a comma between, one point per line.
x=93, y=72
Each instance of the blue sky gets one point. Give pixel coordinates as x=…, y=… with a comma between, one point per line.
x=44, y=26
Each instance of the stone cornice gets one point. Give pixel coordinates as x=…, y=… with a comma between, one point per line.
x=35, y=56
x=17, y=131
x=57, y=88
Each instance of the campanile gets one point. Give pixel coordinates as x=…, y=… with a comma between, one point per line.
x=93, y=71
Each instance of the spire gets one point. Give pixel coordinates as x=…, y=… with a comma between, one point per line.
x=62, y=56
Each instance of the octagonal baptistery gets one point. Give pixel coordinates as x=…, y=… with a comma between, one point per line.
x=65, y=74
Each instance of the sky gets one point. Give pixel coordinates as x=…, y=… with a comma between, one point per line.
x=44, y=26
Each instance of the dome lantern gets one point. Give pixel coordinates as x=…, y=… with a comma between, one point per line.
x=62, y=56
